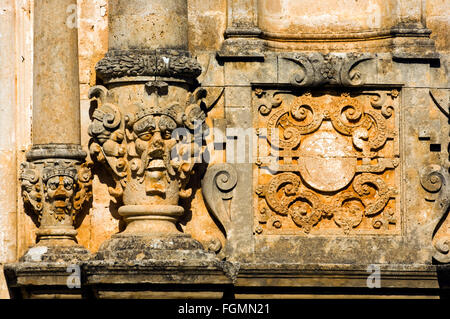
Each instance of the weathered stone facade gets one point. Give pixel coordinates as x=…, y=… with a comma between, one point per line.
x=223, y=147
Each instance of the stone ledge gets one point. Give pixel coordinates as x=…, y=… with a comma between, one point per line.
x=337, y=275
x=63, y=151
x=193, y=279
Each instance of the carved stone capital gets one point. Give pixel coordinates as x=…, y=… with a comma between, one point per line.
x=56, y=183
x=150, y=147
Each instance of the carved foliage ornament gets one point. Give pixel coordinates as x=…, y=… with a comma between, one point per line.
x=328, y=157
x=168, y=63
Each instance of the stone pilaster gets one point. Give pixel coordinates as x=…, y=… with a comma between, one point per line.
x=242, y=36
x=411, y=36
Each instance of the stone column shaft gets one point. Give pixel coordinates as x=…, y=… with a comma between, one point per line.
x=144, y=25
x=56, y=94
x=55, y=179
x=8, y=169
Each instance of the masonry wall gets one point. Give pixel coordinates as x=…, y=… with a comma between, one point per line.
x=287, y=26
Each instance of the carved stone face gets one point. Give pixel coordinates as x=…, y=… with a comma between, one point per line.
x=59, y=192
x=154, y=143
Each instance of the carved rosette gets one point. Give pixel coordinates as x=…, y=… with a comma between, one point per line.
x=56, y=183
x=326, y=163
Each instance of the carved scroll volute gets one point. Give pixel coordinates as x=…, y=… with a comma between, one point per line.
x=218, y=187
x=349, y=76
x=107, y=145
x=433, y=180
x=336, y=69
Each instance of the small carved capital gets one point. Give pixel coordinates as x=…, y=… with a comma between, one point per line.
x=54, y=190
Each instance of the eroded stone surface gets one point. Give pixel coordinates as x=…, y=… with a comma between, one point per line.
x=330, y=158
x=410, y=229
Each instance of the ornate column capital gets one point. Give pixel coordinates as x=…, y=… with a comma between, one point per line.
x=56, y=183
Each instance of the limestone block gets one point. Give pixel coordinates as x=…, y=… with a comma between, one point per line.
x=436, y=15
x=212, y=71
x=314, y=69
x=93, y=38
x=237, y=96
x=245, y=73
x=207, y=23
x=402, y=72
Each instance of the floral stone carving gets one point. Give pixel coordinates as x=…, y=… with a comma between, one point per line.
x=326, y=163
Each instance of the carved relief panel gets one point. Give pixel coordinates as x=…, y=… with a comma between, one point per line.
x=327, y=163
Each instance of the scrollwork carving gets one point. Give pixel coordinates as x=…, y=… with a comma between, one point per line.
x=108, y=138
x=31, y=188
x=335, y=69
x=324, y=163
x=217, y=186
x=285, y=196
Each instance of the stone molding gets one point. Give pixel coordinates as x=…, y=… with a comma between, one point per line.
x=133, y=63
